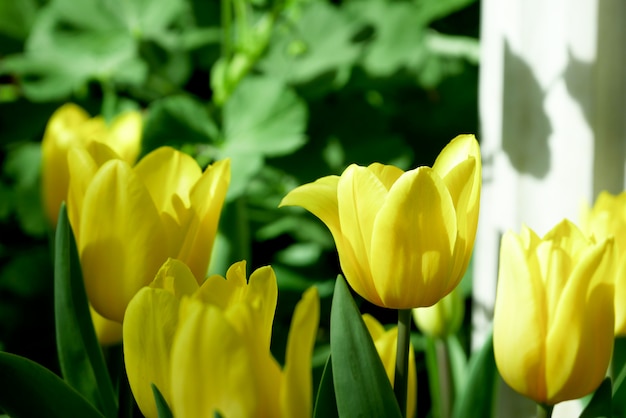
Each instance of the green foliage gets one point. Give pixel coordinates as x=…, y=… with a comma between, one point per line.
x=80, y=355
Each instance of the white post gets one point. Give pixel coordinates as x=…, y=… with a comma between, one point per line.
x=553, y=127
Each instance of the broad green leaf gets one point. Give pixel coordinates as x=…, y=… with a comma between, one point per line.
x=618, y=371
x=458, y=363
x=80, y=355
x=362, y=388
x=176, y=121
x=326, y=404
x=29, y=390
x=262, y=118
x=17, y=17
x=316, y=42
x=600, y=403
x=434, y=379
x=163, y=408
x=476, y=398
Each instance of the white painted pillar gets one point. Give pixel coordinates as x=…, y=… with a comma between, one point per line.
x=553, y=126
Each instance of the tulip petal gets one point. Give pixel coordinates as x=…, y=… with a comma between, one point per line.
x=297, y=387
x=124, y=135
x=121, y=248
x=520, y=327
x=149, y=327
x=82, y=169
x=413, y=239
x=175, y=277
x=319, y=198
x=207, y=199
x=581, y=340
x=167, y=172
x=202, y=381
x=387, y=174
x=108, y=332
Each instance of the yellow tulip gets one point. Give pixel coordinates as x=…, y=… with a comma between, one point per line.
x=207, y=348
x=606, y=219
x=386, y=342
x=553, y=318
x=70, y=126
x=404, y=238
x=442, y=319
x=128, y=220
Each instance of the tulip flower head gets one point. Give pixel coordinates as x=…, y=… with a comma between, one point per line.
x=607, y=219
x=442, y=319
x=553, y=318
x=207, y=348
x=69, y=127
x=128, y=220
x=404, y=238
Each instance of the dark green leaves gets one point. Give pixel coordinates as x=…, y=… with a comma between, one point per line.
x=162, y=408
x=30, y=390
x=80, y=356
x=361, y=385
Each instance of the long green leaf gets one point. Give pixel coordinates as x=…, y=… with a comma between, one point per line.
x=326, y=403
x=600, y=403
x=476, y=398
x=163, y=408
x=362, y=388
x=80, y=355
x=28, y=390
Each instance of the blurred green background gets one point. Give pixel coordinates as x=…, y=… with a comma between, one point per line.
x=290, y=90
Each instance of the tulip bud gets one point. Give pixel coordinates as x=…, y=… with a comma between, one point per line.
x=442, y=319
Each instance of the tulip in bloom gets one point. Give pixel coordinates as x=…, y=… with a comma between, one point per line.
x=128, y=220
x=606, y=219
x=553, y=318
x=70, y=126
x=386, y=342
x=207, y=348
x=404, y=238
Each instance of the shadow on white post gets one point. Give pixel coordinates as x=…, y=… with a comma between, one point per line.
x=553, y=130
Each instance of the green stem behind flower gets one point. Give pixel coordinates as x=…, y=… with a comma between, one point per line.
x=446, y=391
x=544, y=411
x=402, y=359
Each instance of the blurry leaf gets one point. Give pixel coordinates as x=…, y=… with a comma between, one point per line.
x=6, y=201
x=476, y=398
x=29, y=390
x=600, y=403
x=176, y=121
x=22, y=166
x=22, y=275
x=318, y=41
x=458, y=364
x=80, y=355
x=147, y=19
x=302, y=228
x=261, y=118
x=300, y=254
x=17, y=17
x=362, y=388
x=398, y=35
x=453, y=46
x=435, y=9
x=163, y=409
x=326, y=404
x=618, y=371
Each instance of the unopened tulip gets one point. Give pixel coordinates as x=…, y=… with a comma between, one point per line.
x=404, y=238
x=207, y=348
x=553, y=318
x=607, y=219
x=442, y=319
x=70, y=126
x=128, y=220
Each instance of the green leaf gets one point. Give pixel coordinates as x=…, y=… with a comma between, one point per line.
x=362, y=387
x=30, y=390
x=262, y=118
x=326, y=404
x=163, y=409
x=80, y=355
x=618, y=371
x=17, y=17
x=600, y=403
x=476, y=398
x=177, y=121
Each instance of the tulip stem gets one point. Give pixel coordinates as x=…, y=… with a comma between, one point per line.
x=544, y=411
x=445, y=377
x=402, y=359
